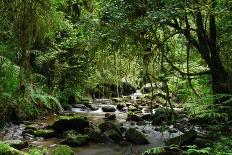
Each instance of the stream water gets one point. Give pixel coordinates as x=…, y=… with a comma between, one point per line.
x=96, y=117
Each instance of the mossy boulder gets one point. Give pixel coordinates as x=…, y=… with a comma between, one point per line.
x=64, y=123
x=162, y=115
x=136, y=137
x=45, y=133
x=108, y=126
x=114, y=135
x=62, y=150
x=6, y=149
x=97, y=136
x=76, y=140
x=17, y=144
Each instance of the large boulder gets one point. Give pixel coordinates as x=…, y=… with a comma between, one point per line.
x=64, y=123
x=76, y=139
x=114, y=135
x=135, y=136
x=97, y=136
x=184, y=139
x=108, y=126
x=108, y=109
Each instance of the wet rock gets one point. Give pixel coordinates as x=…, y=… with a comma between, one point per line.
x=108, y=109
x=109, y=116
x=120, y=106
x=33, y=127
x=184, y=139
x=76, y=140
x=97, y=136
x=114, y=135
x=17, y=144
x=108, y=126
x=134, y=118
x=135, y=137
x=76, y=122
x=45, y=133
x=132, y=108
x=128, y=104
x=81, y=106
x=92, y=107
x=62, y=150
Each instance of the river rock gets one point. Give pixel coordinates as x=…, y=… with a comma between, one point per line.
x=76, y=140
x=134, y=118
x=97, y=136
x=114, y=135
x=108, y=109
x=45, y=133
x=109, y=116
x=81, y=106
x=184, y=139
x=132, y=108
x=135, y=136
x=17, y=144
x=120, y=106
x=76, y=122
x=108, y=126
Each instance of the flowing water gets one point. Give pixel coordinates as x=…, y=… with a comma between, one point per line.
x=155, y=138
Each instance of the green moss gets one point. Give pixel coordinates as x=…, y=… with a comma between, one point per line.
x=46, y=133
x=62, y=150
x=5, y=149
x=76, y=140
x=35, y=151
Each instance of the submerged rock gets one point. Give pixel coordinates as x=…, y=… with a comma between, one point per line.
x=135, y=137
x=76, y=122
x=108, y=109
x=45, y=133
